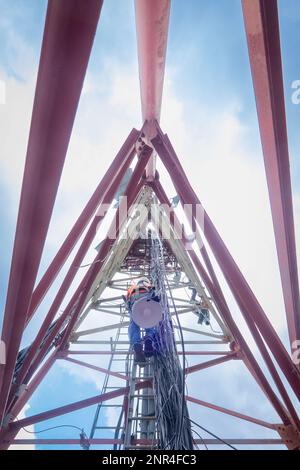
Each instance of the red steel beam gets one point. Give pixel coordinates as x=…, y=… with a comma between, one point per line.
x=121, y=353
x=236, y=414
x=81, y=292
x=264, y=352
x=78, y=405
x=273, y=371
x=131, y=193
x=213, y=362
x=223, y=308
x=109, y=186
x=162, y=196
x=122, y=160
x=97, y=368
x=263, y=37
x=143, y=442
x=249, y=305
x=152, y=22
x=30, y=388
x=7, y=436
x=68, y=37
x=248, y=357
x=226, y=315
x=57, y=328
x=51, y=442
x=82, y=289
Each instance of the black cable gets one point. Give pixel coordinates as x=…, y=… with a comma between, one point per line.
x=212, y=434
x=201, y=438
x=82, y=432
x=183, y=357
x=50, y=429
x=169, y=377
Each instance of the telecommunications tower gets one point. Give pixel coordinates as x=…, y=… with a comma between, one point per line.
x=155, y=406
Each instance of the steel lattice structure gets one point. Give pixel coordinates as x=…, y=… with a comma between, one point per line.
x=70, y=28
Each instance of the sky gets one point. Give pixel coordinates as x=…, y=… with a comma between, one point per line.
x=209, y=114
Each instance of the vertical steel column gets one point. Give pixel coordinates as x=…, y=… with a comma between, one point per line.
x=152, y=22
x=67, y=42
x=263, y=37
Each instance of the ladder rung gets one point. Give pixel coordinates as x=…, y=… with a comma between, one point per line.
x=108, y=427
x=144, y=447
x=142, y=418
x=142, y=378
x=112, y=406
x=142, y=396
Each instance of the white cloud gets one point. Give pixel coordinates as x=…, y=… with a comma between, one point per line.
x=24, y=434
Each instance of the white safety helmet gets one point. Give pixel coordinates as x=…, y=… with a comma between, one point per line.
x=143, y=281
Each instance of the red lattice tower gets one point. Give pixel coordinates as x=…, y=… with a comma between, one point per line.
x=69, y=32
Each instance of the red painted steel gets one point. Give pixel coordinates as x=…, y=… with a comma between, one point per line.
x=78, y=405
x=108, y=190
x=65, y=441
x=69, y=29
x=162, y=196
x=213, y=362
x=123, y=159
x=74, y=39
x=131, y=193
x=152, y=22
x=261, y=345
x=25, y=396
x=263, y=37
x=236, y=414
x=238, y=284
x=91, y=273
x=97, y=368
x=6, y=435
x=80, y=293
x=9, y=433
x=144, y=442
x=248, y=357
x=124, y=353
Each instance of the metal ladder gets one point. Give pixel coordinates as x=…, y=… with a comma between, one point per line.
x=101, y=407
x=140, y=417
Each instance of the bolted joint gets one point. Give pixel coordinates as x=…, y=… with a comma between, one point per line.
x=289, y=435
x=7, y=420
